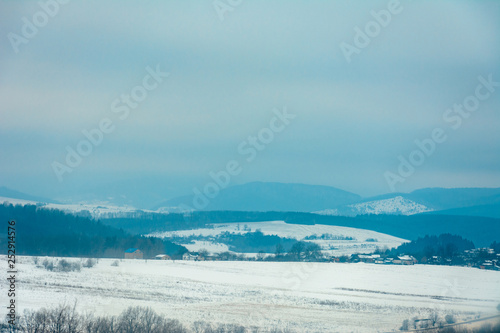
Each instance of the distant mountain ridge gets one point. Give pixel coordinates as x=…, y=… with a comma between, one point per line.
x=492, y=211
x=9, y=193
x=260, y=196
x=326, y=200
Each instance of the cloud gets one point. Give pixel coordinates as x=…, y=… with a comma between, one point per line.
x=354, y=119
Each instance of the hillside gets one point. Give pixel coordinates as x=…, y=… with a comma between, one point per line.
x=259, y=196
x=42, y=232
x=6, y=192
x=397, y=206
x=492, y=211
x=481, y=230
x=333, y=240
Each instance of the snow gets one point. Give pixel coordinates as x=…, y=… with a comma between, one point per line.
x=330, y=212
x=211, y=247
x=305, y=297
x=397, y=205
x=96, y=210
x=296, y=231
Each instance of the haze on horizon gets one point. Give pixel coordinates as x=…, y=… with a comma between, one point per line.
x=229, y=79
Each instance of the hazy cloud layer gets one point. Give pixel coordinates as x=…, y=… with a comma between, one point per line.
x=353, y=119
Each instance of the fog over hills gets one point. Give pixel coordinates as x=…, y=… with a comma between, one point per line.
x=272, y=196
x=260, y=196
x=9, y=193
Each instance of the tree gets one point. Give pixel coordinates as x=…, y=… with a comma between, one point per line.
x=278, y=253
x=405, y=326
x=203, y=253
x=415, y=321
x=261, y=255
x=313, y=251
x=297, y=251
x=434, y=317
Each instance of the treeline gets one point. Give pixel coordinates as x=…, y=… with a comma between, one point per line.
x=445, y=245
x=482, y=231
x=249, y=242
x=47, y=232
x=147, y=222
x=447, y=324
x=65, y=319
x=299, y=251
x=253, y=241
x=495, y=246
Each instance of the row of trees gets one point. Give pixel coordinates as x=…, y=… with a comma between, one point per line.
x=252, y=242
x=436, y=323
x=65, y=319
x=444, y=245
x=299, y=251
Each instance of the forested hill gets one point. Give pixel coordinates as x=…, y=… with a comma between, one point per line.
x=482, y=231
x=52, y=232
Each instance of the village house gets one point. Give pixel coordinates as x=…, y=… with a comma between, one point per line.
x=162, y=257
x=406, y=260
x=189, y=256
x=133, y=253
x=369, y=258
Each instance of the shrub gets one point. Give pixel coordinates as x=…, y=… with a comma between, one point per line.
x=66, y=266
x=89, y=263
x=449, y=319
x=62, y=265
x=48, y=264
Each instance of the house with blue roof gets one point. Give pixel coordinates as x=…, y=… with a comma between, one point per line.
x=133, y=253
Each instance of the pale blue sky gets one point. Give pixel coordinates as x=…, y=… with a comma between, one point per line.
x=353, y=119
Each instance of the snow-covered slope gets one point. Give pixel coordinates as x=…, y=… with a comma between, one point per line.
x=343, y=240
x=97, y=210
x=397, y=206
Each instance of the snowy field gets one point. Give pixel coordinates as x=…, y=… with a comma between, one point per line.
x=304, y=297
x=297, y=231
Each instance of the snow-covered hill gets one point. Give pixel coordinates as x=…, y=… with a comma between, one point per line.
x=397, y=206
x=341, y=240
x=95, y=210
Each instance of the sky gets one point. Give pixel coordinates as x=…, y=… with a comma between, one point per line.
x=316, y=92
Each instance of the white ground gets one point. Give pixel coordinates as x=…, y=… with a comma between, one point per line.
x=297, y=231
x=305, y=297
x=397, y=205
x=97, y=210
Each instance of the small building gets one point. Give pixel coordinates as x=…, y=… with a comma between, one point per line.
x=133, y=253
x=366, y=258
x=189, y=256
x=162, y=257
x=406, y=260
x=388, y=261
